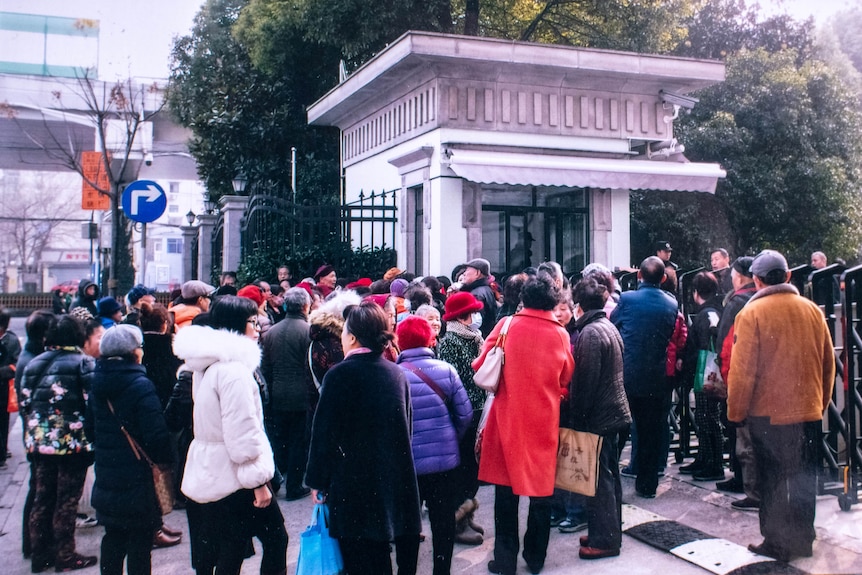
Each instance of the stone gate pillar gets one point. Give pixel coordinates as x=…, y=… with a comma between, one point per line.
x=205, y=246
x=233, y=209
x=189, y=234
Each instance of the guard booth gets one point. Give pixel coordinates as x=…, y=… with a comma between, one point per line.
x=511, y=151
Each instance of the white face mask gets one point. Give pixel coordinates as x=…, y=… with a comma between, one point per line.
x=476, y=320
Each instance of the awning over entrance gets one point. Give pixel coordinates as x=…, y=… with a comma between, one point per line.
x=545, y=170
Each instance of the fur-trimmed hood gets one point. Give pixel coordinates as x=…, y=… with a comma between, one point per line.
x=201, y=347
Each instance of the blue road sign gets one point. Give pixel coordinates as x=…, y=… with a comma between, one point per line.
x=144, y=201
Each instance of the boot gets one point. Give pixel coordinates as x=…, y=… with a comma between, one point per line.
x=465, y=535
x=466, y=508
x=471, y=521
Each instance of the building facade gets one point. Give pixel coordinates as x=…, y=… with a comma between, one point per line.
x=515, y=152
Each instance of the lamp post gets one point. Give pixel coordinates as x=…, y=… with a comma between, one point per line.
x=190, y=217
x=239, y=182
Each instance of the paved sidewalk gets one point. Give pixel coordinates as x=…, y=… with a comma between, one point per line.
x=838, y=549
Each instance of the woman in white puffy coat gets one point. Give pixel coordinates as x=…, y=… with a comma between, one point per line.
x=230, y=462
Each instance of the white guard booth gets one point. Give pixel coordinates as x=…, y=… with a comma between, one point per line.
x=515, y=152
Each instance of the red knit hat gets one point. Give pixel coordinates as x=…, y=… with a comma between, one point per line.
x=460, y=303
x=414, y=331
x=251, y=292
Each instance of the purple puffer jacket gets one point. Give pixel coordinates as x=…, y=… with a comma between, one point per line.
x=436, y=429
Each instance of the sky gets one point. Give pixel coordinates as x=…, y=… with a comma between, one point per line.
x=801, y=9
x=136, y=37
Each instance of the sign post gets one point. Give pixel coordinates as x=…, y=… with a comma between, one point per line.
x=144, y=201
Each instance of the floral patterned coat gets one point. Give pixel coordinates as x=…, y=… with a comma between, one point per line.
x=53, y=402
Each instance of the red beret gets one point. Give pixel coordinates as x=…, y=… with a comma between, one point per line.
x=251, y=292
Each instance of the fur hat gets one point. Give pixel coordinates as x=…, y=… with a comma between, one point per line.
x=461, y=303
x=122, y=339
x=251, y=292
x=414, y=331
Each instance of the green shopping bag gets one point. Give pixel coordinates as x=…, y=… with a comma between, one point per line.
x=707, y=372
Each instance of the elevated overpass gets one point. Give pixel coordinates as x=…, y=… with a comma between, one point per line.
x=41, y=117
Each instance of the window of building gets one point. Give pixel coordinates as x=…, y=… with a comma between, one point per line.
x=174, y=188
x=175, y=245
x=523, y=226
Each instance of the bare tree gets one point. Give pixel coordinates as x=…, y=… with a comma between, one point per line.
x=117, y=112
x=35, y=215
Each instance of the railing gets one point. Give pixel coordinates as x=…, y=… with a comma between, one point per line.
x=273, y=224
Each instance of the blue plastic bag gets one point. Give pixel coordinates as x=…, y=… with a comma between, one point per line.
x=318, y=552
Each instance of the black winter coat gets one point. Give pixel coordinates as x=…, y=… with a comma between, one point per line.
x=53, y=402
x=597, y=397
x=85, y=301
x=360, y=453
x=284, y=361
x=702, y=333
x=481, y=290
x=161, y=364
x=123, y=494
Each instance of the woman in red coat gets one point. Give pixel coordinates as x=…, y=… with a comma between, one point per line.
x=519, y=448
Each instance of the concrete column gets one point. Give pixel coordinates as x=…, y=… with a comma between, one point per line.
x=610, y=228
x=233, y=210
x=205, y=246
x=189, y=234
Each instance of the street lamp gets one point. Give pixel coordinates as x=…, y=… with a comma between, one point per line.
x=209, y=203
x=190, y=217
x=239, y=183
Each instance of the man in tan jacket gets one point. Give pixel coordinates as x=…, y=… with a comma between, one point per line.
x=782, y=372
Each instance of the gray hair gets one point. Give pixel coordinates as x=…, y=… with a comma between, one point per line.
x=425, y=309
x=296, y=300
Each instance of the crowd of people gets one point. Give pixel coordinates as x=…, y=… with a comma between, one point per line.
x=361, y=394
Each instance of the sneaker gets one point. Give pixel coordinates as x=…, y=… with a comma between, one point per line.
x=83, y=521
x=747, y=504
x=557, y=519
x=572, y=525
x=627, y=471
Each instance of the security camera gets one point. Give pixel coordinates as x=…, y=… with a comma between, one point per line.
x=148, y=159
x=686, y=102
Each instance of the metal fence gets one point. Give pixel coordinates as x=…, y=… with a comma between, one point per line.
x=273, y=224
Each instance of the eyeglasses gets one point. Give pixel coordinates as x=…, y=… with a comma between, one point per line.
x=254, y=323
